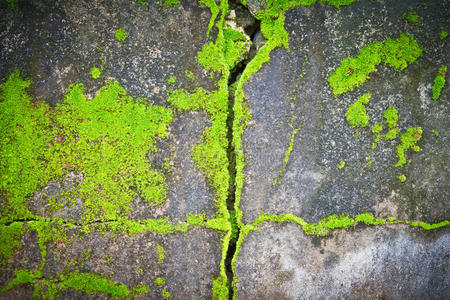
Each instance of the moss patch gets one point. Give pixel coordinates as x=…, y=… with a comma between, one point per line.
x=411, y=17
x=160, y=251
x=10, y=240
x=354, y=71
x=288, y=151
x=439, y=82
x=408, y=140
x=106, y=138
x=169, y=3
x=121, y=35
x=443, y=35
x=356, y=114
x=160, y=281
x=95, y=72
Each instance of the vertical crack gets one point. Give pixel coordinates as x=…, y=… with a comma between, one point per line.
x=252, y=29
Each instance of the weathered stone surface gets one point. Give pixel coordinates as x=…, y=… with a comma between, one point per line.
x=294, y=85
x=55, y=44
x=190, y=262
x=362, y=263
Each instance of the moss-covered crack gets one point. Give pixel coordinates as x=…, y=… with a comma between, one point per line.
x=219, y=155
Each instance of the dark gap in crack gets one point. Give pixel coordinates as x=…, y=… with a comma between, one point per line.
x=19, y=221
x=62, y=221
x=254, y=32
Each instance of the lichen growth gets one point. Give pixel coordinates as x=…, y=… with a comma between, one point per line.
x=288, y=151
x=439, y=82
x=354, y=71
x=356, y=114
x=121, y=35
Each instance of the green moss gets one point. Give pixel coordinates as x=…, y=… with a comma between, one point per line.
x=165, y=294
x=160, y=281
x=95, y=72
x=439, y=82
x=412, y=17
x=443, y=34
x=427, y=226
x=140, y=289
x=435, y=132
x=106, y=138
x=10, y=240
x=220, y=288
x=408, y=140
x=377, y=128
x=356, y=113
x=12, y=3
x=400, y=52
x=196, y=219
x=332, y=222
x=160, y=251
x=91, y=283
x=369, y=161
x=288, y=151
x=341, y=164
x=142, y=2
x=26, y=131
x=353, y=72
x=219, y=224
x=172, y=79
x=369, y=219
x=21, y=276
x=168, y=3
x=189, y=75
x=402, y=178
x=391, y=118
x=121, y=35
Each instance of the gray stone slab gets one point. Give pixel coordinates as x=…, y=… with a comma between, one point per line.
x=191, y=261
x=55, y=43
x=294, y=85
x=387, y=262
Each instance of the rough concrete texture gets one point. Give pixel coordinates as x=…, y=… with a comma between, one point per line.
x=294, y=85
x=389, y=262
